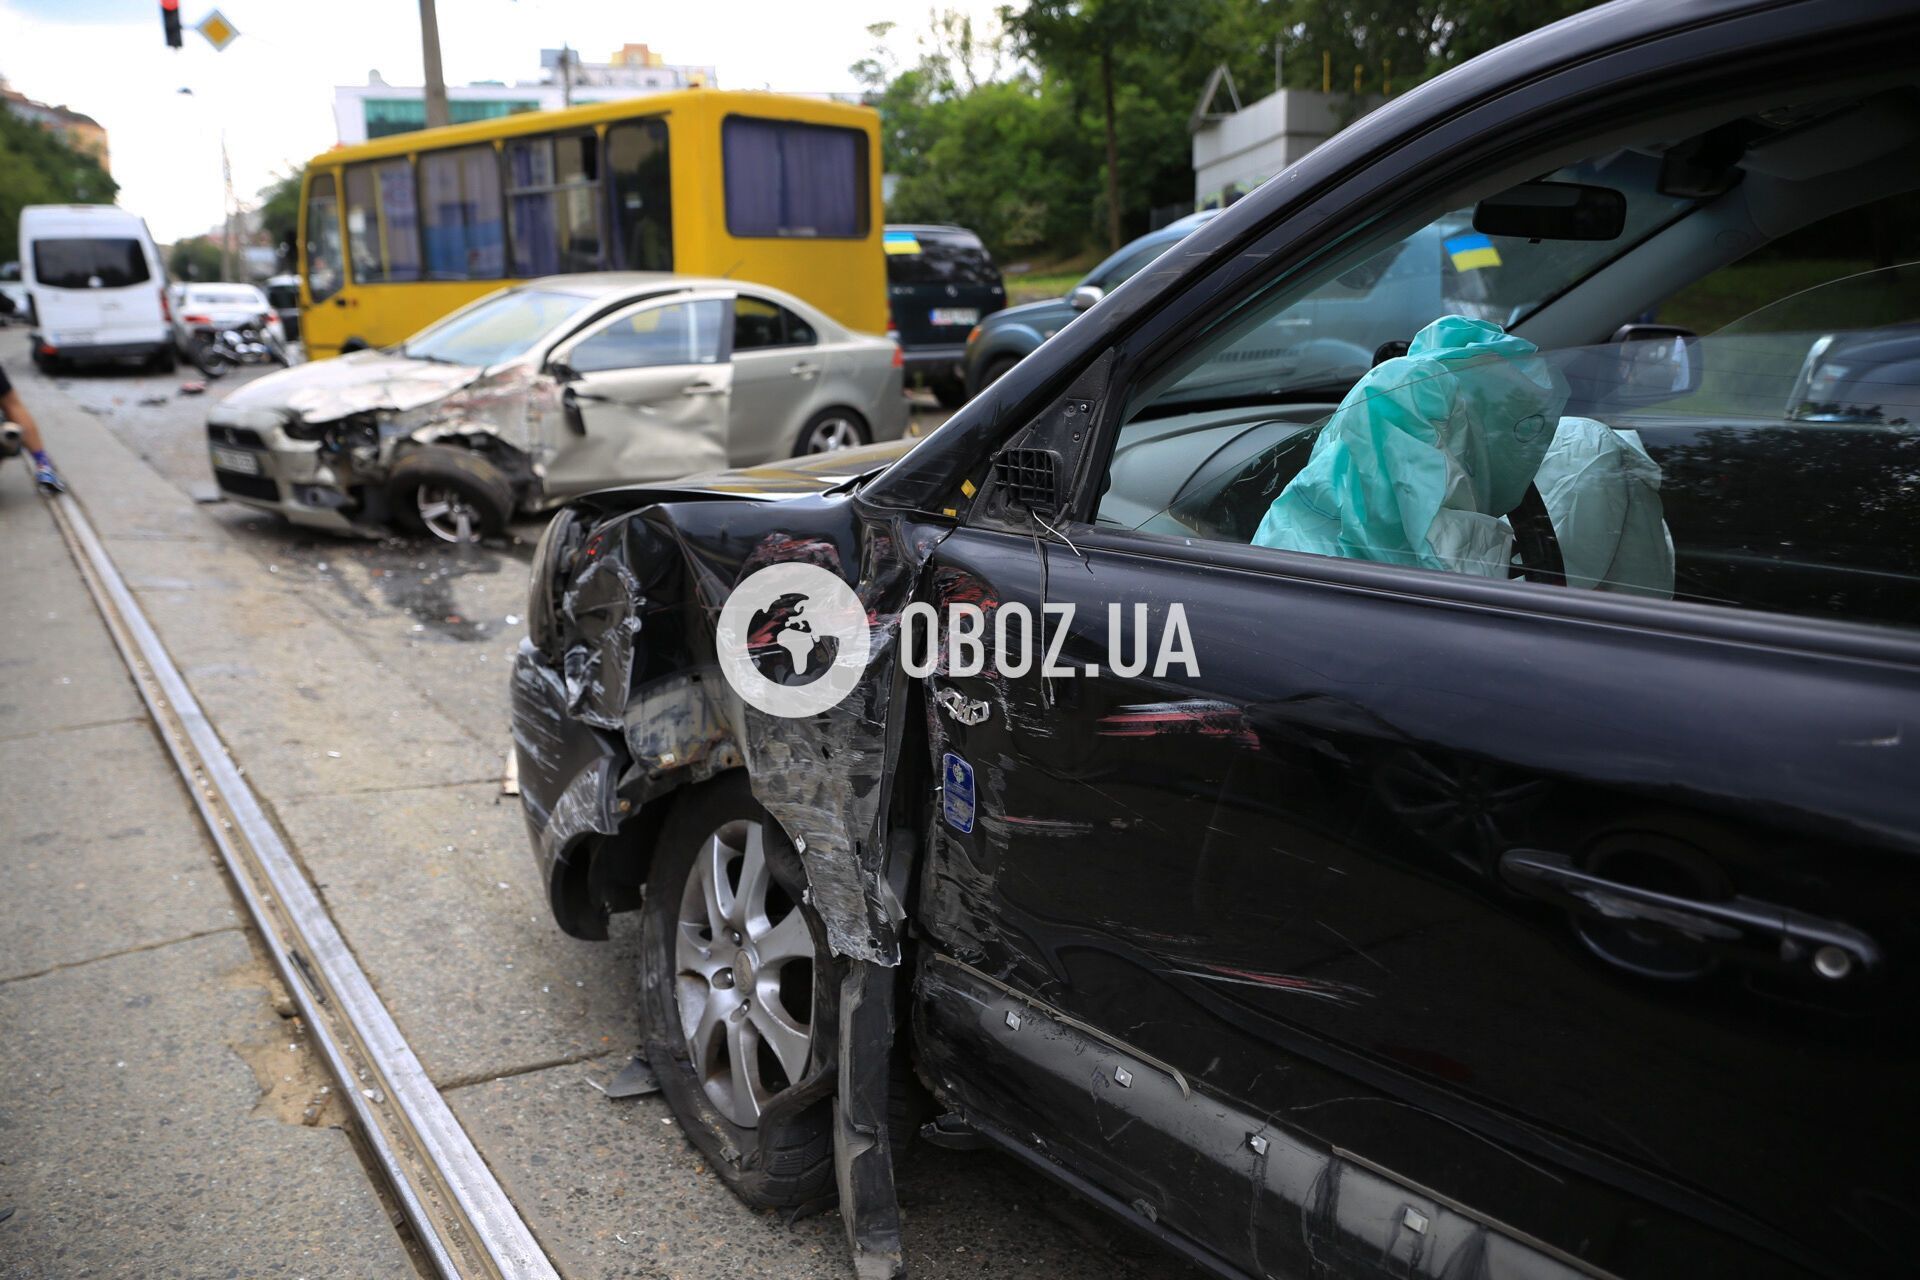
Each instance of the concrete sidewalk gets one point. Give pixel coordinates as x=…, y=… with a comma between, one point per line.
x=158, y=1115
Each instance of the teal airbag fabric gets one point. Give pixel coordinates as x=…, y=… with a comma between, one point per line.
x=1426, y=455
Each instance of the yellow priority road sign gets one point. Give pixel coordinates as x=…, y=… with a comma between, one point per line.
x=219, y=32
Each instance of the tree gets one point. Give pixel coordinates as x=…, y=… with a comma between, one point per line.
x=280, y=212
x=195, y=259
x=38, y=167
x=1090, y=43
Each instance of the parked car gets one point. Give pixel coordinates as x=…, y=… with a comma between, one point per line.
x=14, y=290
x=95, y=286
x=283, y=294
x=218, y=306
x=940, y=282
x=1007, y=337
x=550, y=389
x=1456, y=815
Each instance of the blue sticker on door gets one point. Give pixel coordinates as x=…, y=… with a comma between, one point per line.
x=956, y=791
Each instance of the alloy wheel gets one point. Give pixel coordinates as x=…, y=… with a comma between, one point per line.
x=830, y=434
x=446, y=514
x=743, y=985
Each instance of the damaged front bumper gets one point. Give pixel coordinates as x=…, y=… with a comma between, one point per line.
x=257, y=464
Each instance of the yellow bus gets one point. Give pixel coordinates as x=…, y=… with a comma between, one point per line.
x=784, y=191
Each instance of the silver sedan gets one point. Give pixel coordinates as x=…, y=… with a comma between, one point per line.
x=550, y=389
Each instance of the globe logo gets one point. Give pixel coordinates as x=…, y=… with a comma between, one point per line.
x=792, y=640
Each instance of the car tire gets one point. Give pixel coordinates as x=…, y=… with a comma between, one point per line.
x=784, y=1159
x=451, y=494
x=830, y=430
x=209, y=359
x=995, y=370
x=950, y=392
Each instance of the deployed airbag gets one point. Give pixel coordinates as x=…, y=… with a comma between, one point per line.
x=1428, y=453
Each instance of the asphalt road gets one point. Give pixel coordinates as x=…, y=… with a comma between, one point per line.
x=361, y=685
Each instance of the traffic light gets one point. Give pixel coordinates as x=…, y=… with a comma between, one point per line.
x=170, y=21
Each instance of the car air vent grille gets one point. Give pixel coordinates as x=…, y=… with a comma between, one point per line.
x=1029, y=478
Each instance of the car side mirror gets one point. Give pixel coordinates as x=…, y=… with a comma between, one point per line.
x=1655, y=362
x=1084, y=296
x=562, y=372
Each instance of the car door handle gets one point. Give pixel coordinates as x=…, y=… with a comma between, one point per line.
x=805, y=369
x=1748, y=931
x=703, y=389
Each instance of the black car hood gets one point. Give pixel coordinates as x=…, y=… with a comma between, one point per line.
x=789, y=478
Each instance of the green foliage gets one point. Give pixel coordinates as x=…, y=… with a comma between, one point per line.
x=1006, y=130
x=37, y=167
x=280, y=211
x=195, y=259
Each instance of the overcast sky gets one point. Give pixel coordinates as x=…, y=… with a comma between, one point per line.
x=272, y=90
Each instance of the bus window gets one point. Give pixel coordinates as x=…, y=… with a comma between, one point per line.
x=553, y=204
x=642, y=194
x=465, y=228
x=323, y=238
x=383, y=229
x=787, y=179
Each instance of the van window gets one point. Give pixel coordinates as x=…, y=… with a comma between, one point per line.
x=642, y=194
x=323, y=238
x=383, y=227
x=466, y=229
x=787, y=179
x=553, y=204
x=89, y=262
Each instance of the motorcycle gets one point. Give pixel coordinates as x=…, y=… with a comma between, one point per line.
x=217, y=348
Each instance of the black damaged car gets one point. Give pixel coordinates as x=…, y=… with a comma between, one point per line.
x=1439, y=798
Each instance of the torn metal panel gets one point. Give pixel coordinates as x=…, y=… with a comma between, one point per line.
x=862, y=1153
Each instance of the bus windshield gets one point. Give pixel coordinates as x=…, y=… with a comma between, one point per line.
x=495, y=330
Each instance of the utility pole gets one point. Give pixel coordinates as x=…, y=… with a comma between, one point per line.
x=430, y=56
x=226, y=230
x=566, y=74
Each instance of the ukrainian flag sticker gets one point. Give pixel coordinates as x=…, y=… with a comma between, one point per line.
x=899, y=242
x=1472, y=251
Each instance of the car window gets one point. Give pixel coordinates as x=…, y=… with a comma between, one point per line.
x=89, y=262
x=1738, y=435
x=758, y=324
x=937, y=257
x=495, y=329
x=674, y=333
x=1114, y=272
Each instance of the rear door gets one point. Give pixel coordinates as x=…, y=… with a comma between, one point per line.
x=778, y=365
x=647, y=396
x=95, y=290
x=941, y=283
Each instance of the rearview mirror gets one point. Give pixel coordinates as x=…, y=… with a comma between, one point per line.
x=1553, y=211
x=1085, y=296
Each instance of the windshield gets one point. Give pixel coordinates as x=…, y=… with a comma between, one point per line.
x=497, y=329
x=224, y=298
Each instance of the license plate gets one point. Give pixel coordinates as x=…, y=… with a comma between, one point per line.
x=247, y=464
x=74, y=338
x=949, y=316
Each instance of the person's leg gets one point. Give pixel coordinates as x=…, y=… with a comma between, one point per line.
x=14, y=409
